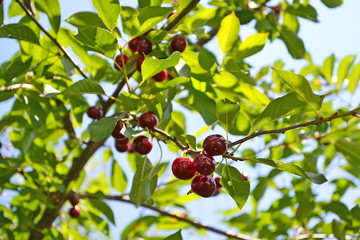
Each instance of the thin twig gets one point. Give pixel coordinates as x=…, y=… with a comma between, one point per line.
x=283, y=130
x=181, y=15
x=166, y=213
x=29, y=13
x=212, y=33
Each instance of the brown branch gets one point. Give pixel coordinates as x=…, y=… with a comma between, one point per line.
x=30, y=14
x=166, y=213
x=283, y=130
x=212, y=33
x=181, y=15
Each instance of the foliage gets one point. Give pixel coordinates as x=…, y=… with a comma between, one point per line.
x=50, y=141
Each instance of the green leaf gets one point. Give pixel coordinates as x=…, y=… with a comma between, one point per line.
x=86, y=20
x=304, y=11
x=228, y=32
x=208, y=113
x=148, y=18
x=152, y=66
x=332, y=3
x=338, y=229
x=102, y=128
x=287, y=105
x=350, y=149
x=1, y=14
x=226, y=112
x=293, y=43
x=84, y=86
x=161, y=86
x=109, y=12
x=298, y=83
x=344, y=68
x=253, y=44
x=235, y=185
x=17, y=67
x=291, y=168
x=98, y=40
x=69, y=66
x=118, y=179
x=19, y=32
x=52, y=9
x=354, y=78
x=141, y=189
x=104, y=208
x=328, y=68
x=175, y=236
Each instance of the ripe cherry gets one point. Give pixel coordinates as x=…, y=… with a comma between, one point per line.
x=245, y=176
x=215, y=145
x=118, y=63
x=122, y=144
x=204, y=164
x=139, y=62
x=130, y=148
x=203, y=185
x=133, y=43
x=142, y=145
x=144, y=46
x=74, y=199
x=116, y=132
x=149, y=120
x=183, y=168
x=178, y=43
x=218, y=186
x=74, y=211
x=161, y=76
x=94, y=112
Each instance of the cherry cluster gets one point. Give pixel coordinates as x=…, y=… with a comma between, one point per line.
x=185, y=168
x=75, y=210
x=143, y=47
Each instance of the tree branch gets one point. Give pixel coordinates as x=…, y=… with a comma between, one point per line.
x=212, y=33
x=283, y=130
x=30, y=14
x=181, y=15
x=194, y=223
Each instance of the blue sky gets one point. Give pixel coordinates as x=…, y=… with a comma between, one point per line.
x=337, y=33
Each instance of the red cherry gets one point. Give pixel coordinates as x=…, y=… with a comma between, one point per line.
x=218, y=189
x=94, y=112
x=122, y=144
x=74, y=199
x=133, y=43
x=130, y=148
x=203, y=185
x=139, y=62
x=149, y=120
x=74, y=211
x=217, y=180
x=142, y=145
x=1, y=2
x=144, y=46
x=178, y=43
x=183, y=168
x=245, y=176
x=161, y=76
x=119, y=62
x=215, y=145
x=116, y=132
x=204, y=164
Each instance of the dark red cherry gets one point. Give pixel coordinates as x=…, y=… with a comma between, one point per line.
x=144, y=46
x=130, y=148
x=204, y=164
x=74, y=199
x=116, y=132
x=142, y=145
x=133, y=44
x=139, y=62
x=74, y=211
x=161, y=76
x=178, y=43
x=119, y=62
x=215, y=145
x=149, y=120
x=94, y=112
x=122, y=144
x=203, y=185
x=217, y=180
x=245, y=176
x=183, y=168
